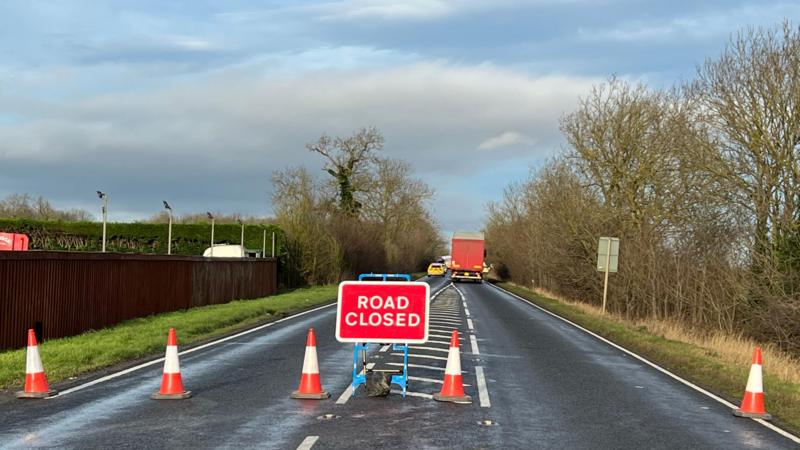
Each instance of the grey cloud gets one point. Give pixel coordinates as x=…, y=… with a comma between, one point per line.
x=217, y=140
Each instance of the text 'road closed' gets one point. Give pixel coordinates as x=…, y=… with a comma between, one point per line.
x=383, y=312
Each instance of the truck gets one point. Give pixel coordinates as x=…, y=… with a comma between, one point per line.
x=467, y=253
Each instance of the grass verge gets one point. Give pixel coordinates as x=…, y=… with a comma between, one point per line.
x=71, y=356
x=719, y=364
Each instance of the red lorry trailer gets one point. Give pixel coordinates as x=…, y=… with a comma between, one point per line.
x=467, y=256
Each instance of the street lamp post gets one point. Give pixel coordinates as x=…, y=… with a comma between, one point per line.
x=241, y=240
x=169, y=232
x=104, y=197
x=211, y=216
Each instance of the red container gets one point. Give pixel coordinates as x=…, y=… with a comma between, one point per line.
x=467, y=255
x=13, y=242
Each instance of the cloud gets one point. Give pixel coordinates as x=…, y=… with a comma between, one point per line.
x=506, y=139
x=212, y=143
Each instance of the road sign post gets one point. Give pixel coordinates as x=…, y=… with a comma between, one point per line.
x=385, y=312
x=607, y=261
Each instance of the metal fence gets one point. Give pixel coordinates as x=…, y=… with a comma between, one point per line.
x=63, y=294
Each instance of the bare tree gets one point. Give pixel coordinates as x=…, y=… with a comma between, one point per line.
x=348, y=159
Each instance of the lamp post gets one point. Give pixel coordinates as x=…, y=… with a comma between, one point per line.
x=104, y=197
x=169, y=232
x=211, y=216
x=241, y=240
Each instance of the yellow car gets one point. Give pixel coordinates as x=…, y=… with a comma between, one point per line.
x=436, y=270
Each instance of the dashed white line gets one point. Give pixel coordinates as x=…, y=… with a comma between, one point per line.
x=308, y=442
x=466, y=311
x=474, y=343
x=469, y=325
x=483, y=392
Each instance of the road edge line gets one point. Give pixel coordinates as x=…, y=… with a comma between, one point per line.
x=686, y=382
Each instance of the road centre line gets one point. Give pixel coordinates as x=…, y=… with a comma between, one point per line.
x=418, y=355
x=347, y=392
x=474, y=343
x=483, y=392
x=469, y=325
x=644, y=360
x=466, y=311
x=308, y=442
x=185, y=352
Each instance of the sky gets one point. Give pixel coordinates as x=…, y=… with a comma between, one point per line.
x=198, y=102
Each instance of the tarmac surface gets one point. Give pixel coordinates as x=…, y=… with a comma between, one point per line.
x=535, y=382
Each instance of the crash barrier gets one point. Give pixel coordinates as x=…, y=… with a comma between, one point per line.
x=398, y=377
x=67, y=293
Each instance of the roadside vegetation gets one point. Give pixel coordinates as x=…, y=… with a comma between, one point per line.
x=146, y=337
x=701, y=183
x=717, y=361
x=366, y=214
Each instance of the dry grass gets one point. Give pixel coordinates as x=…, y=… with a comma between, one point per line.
x=734, y=349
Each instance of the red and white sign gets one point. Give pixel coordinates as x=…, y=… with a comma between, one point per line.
x=383, y=312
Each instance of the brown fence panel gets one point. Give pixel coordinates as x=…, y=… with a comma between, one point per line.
x=64, y=293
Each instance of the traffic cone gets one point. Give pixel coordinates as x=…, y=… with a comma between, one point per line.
x=35, y=379
x=753, y=401
x=453, y=388
x=310, y=386
x=171, y=383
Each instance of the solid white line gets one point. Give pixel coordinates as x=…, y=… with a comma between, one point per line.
x=653, y=365
x=185, y=352
x=444, y=314
x=483, y=392
x=421, y=366
x=434, y=341
x=412, y=394
x=385, y=347
x=417, y=355
x=474, y=343
x=308, y=442
x=444, y=336
x=347, y=392
x=469, y=325
x=433, y=349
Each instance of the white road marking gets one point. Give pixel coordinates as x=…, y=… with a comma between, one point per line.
x=466, y=310
x=442, y=329
x=445, y=322
x=483, y=392
x=417, y=355
x=370, y=365
x=385, y=347
x=412, y=394
x=347, y=392
x=688, y=383
x=433, y=349
x=469, y=325
x=308, y=442
x=431, y=380
x=446, y=315
x=434, y=341
x=474, y=343
x=460, y=338
x=185, y=352
x=421, y=366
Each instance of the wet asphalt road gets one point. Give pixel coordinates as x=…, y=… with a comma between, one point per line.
x=548, y=385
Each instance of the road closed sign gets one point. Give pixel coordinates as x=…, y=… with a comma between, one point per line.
x=383, y=312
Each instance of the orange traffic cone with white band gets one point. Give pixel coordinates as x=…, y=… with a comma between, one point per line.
x=171, y=382
x=753, y=401
x=35, y=380
x=453, y=388
x=310, y=385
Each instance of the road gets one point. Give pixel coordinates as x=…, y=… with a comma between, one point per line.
x=541, y=382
